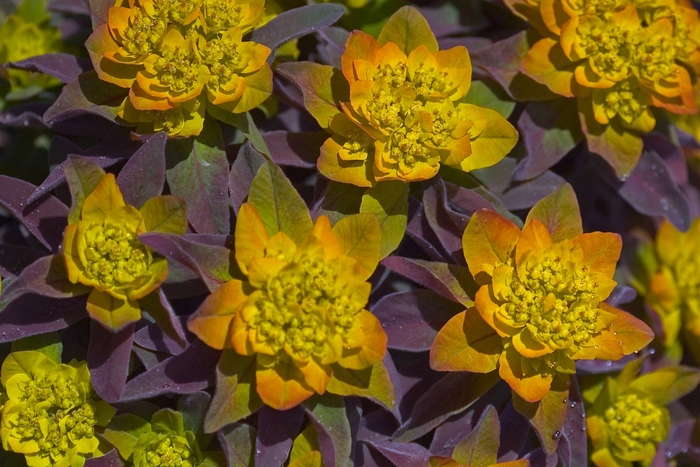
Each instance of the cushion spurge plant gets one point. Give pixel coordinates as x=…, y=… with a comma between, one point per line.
x=101, y=250
x=540, y=305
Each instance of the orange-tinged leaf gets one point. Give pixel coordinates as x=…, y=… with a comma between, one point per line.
x=480, y=447
x=531, y=388
x=534, y=239
x=156, y=274
x=486, y=241
x=324, y=232
x=436, y=461
x=491, y=137
x=559, y=213
x=70, y=253
x=626, y=331
x=528, y=346
x=280, y=384
x=360, y=46
x=322, y=86
x=601, y=250
x=165, y=214
x=316, y=375
x=105, y=197
x=360, y=238
x=372, y=382
x=111, y=312
x=408, y=29
x=330, y=164
x=212, y=320
x=487, y=308
x=466, y=343
x=547, y=64
x=251, y=236
x=666, y=385
x=670, y=240
x=372, y=339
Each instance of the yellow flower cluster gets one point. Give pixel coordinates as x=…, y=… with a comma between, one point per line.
x=177, y=58
x=50, y=415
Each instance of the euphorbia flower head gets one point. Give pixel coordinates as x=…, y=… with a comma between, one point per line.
x=540, y=305
x=51, y=413
x=302, y=311
x=102, y=251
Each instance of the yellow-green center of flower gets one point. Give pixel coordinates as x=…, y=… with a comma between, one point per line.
x=143, y=33
x=654, y=57
x=222, y=14
x=302, y=309
x=600, y=8
x=177, y=11
x=687, y=275
x=54, y=415
x=171, y=120
x=177, y=69
x=169, y=453
x=114, y=255
x=223, y=59
x=408, y=147
x=621, y=100
x=555, y=299
x=634, y=421
x=605, y=45
x=393, y=75
x=386, y=109
x=428, y=81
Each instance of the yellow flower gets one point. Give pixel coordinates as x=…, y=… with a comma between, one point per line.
x=102, y=251
x=182, y=121
x=51, y=414
x=301, y=313
x=540, y=305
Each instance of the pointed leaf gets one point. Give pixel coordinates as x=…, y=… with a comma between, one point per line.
x=295, y=149
x=82, y=176
x=193, y=407
x=238, y=443
x=200, y=177
x=559, y=213
x=279, y=205
x=243, y=170
x=372, y=382
x=276, y=433
x=123, y=432
x=389, y=202
x=32, y=314
x=408, y=29
x=108, y=359
x=486, y=241
x=49, y=344
x=243, y=122
x=157, y=305
x=403, y=454
x=327, y=414
x=235, y=397
x=480, y=447
x=360, y=238
x=573, y=450
x=66, y=67
x=165, y=214
x=143, y=175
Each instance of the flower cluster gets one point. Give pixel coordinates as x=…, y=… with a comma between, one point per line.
x=177, y=58
x=50, y=415
x=407, y=114
x=302, y=311
x=620, y=59
x=542, y=301
x=102, y=251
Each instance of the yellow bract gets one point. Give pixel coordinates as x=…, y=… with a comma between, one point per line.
x=171, y=54
x=302, y=311
x=51, y=412
x=102, y=251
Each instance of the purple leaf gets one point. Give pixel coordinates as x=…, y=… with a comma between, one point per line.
x=419, y=230
x=455, y=19
x=550, y=130
x=403, y=454
x=157, y=305
x=368, y=457
x=153, y=338
x=24, y=115
x=111, y=459
x=65, y=67
x=447, y=224
x=243, y=170
x=191, y=371
x=327, y=414
x=332, y=44
x=211, y=263
x=526, y=194
x=32, y=314
x=514, y=422
x=412, y=319
x=621, y=295
x=99, y=10
x=200, y=177
x=45, y=218
x=76, y=7
x=276, y=433
x=572, y=449
x=238, y=442
x=452, y=394
x=13, y=259
x=46, y=277
x=651, y=190
x=143, y=176
x=108, y=359
x=377, y=426
x=87, y=94
x=295, y=149
x=447, y=280
x=670, y=153
x=681, y=437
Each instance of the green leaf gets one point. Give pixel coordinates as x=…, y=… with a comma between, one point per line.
x=82, y=176
x=322, y=86
x=235, y=397
x=198, y=174
x=166, y=214
x=340, y=200
x=559, y=213
x=486, y=94
x=279, y=205
x=193, y=408
x=408, y=29
x=547, y=416
x=167, y=420
x=49, y=344
x=359, y=237
x=327, y=414
x=389, y=202
x=213, y=459
x=243, y=122
x=372, y=382
x=124, y=431
x=238, y=442
x=32, y=11
x=296, y=23
x=480, y=447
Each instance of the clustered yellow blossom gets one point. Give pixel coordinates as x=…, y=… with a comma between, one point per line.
x=301, y=313
x=51, y=412
x=179, y=58
x=620, y=58
x=407, y=114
